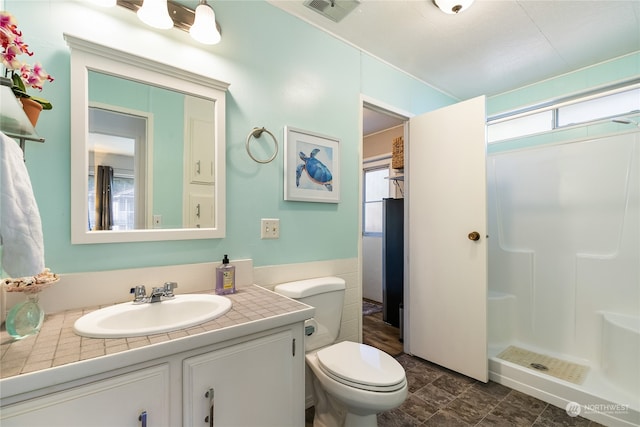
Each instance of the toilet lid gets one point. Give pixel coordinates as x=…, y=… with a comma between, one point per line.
x=361, y=366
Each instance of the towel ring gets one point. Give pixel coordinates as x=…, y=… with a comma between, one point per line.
x=257, y=133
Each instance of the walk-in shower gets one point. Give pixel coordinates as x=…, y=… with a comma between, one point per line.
x=564, y=274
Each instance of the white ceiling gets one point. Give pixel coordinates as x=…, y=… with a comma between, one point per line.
x=492, y=47
x=375, y=121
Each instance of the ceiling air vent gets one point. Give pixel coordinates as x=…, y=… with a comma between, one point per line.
x=332, y=9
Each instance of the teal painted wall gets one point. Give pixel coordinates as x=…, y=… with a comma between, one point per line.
x=283, y=72
x=618, y=70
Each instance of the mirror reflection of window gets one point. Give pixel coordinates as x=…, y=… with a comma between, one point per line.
x=122, y=186
x=124, y=152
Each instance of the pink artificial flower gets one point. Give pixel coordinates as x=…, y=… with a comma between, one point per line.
x=9, y=58
x=12, y=46
x=34, y=77
x=11, y=41
x=24, y=48
x=8, y=22
x=41, y=73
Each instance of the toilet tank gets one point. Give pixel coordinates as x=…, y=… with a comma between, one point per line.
x=326, y=295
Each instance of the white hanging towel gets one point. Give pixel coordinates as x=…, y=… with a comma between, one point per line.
x=20, y=224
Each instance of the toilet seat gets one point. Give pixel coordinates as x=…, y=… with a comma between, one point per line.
x=361, y=366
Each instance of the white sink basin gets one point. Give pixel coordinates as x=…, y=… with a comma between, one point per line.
x=134, y=320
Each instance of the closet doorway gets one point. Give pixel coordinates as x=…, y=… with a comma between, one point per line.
x=382, y=185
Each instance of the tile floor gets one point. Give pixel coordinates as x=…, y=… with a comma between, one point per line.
x=443, y=398
x=440, y=397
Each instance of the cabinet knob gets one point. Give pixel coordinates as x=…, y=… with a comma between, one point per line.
x=474, y=235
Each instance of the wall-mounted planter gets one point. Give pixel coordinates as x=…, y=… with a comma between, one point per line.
x=32, y=109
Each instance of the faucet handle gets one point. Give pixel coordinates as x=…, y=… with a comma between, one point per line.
x=139, y=293
x=168, y=289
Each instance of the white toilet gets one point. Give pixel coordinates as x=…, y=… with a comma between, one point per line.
x=352, y=382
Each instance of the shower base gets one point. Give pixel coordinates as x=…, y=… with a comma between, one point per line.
x=562, y=369
x=600, y=400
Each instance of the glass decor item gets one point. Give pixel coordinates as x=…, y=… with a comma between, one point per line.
x=25, y=318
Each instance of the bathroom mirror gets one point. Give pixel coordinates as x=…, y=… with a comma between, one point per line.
x=150, y=139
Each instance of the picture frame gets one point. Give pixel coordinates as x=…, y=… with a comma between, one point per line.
x=311, y=166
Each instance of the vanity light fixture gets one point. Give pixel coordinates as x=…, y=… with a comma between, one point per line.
x=200, y=23
x=156, y=14
x=104, y=3
x=453, y=7
x=204, y=27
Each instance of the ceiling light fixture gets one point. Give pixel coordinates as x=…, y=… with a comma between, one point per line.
x=204, y=27
x=453, y=7
x=156, y=14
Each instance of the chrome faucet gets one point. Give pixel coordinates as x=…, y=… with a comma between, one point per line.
x=168, y=289
x=157, y=294
x=139, y=294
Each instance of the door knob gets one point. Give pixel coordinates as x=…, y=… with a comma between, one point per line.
x=474, y=235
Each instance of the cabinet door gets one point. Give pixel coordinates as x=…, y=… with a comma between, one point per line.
x=253, y=384
x=117, y=401
x=201, y=211
x=200, y=138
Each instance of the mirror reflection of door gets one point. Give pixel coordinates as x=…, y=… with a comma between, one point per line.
x=117, y=143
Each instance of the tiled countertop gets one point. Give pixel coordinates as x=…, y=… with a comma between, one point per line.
x=57, y=345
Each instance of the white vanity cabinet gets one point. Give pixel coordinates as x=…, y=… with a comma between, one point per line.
x=255, y=383
x=253, y=361
x=122, y=401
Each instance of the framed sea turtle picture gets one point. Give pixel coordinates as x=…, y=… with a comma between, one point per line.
x=311, y=166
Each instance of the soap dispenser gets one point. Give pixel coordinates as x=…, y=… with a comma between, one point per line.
x=225, y=278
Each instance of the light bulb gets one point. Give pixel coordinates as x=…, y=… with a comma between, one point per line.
x=104, y=3
x=155, y=14
x=204, y=27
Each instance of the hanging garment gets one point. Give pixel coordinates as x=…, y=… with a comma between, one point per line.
x=104, y=205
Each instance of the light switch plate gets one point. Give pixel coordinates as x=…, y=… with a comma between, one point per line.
x=269, y=228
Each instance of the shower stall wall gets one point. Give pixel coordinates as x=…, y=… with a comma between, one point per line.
x=564, y=272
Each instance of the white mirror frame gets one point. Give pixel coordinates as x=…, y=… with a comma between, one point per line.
x=89, y=56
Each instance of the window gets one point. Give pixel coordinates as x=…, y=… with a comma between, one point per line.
x=123, y=202
x=376, y=188
x=590, y=107
x=521, y=126
x=617, y=104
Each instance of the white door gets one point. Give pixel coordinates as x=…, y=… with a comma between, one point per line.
x=446, y=193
